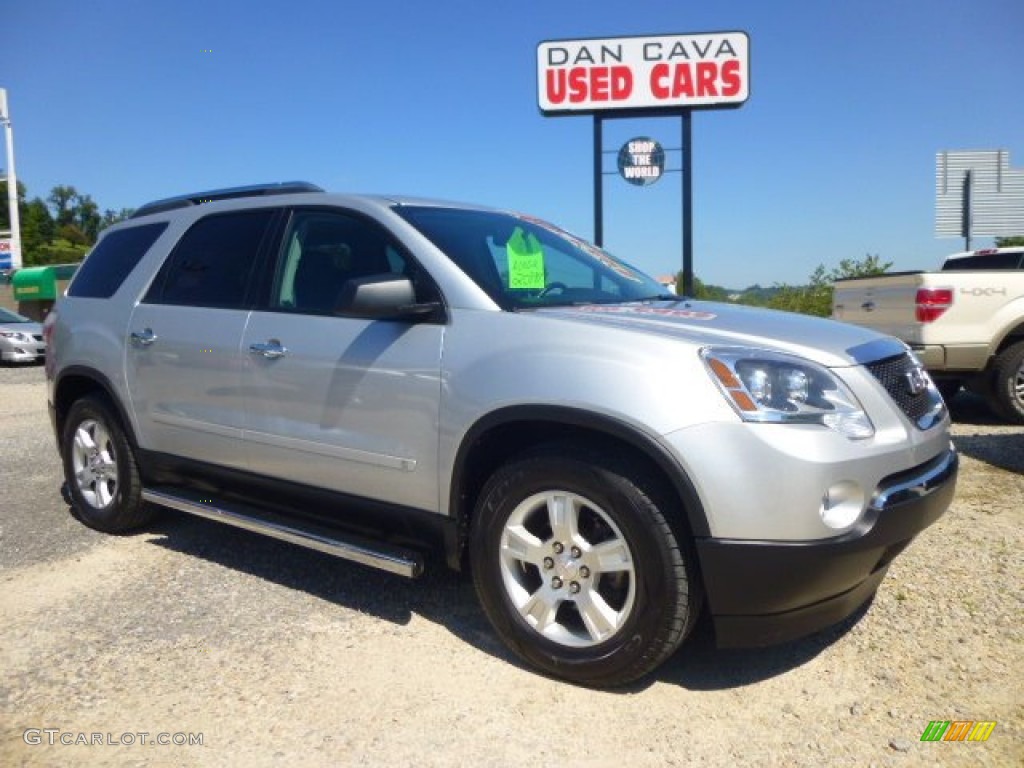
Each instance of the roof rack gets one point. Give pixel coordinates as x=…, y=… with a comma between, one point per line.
x=253, y=190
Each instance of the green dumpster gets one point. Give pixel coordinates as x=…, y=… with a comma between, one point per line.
x=35, y=290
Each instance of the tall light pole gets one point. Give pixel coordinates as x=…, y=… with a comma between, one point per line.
x=12, y=183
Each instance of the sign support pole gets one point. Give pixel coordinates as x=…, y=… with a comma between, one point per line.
x=12, y=183
x=687, y=203
x=598, y=183
x=635, y=76
x=968, y=212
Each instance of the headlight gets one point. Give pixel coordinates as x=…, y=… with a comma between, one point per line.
x=16, y=336
x=772, y=387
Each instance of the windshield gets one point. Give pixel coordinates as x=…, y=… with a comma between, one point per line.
x=6, y=316
x=524, y=263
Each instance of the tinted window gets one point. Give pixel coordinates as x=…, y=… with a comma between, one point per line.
x=324, y=249
x=984, y=261
x=522, y=262
x=211, y=264
x=113, y=258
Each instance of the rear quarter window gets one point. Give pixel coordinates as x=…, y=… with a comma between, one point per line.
x=112, y=260
x=212, y=263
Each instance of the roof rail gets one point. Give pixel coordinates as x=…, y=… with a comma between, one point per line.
x=253, y=190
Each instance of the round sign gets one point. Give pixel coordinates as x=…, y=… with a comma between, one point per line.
x=641, y=161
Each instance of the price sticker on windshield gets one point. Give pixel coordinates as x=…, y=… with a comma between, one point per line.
x=525, y=261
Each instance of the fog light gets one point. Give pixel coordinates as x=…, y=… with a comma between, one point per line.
x=842, y=504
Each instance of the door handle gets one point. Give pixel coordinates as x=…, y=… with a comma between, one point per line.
x=145, y=338
x=271, y=350
x=868, y=306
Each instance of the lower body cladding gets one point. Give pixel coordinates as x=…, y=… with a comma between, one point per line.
x=766, y=592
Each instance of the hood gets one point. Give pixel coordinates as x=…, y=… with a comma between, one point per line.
x=32, y=329
x=703, y=323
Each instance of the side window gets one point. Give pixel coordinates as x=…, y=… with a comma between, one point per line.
x=324, y=249
x=211, y=264
x=112, y=260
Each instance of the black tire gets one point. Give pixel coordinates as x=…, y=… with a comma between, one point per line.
x=641, y=598
x=1007, y=383
x=100, y=470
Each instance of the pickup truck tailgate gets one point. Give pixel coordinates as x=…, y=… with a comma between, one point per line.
x=885, y=304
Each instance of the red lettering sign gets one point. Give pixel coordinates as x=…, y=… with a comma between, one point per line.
x=580, y=84
x=699, y=71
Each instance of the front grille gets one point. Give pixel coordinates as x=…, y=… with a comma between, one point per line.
x=37, y=338
x=892, y=373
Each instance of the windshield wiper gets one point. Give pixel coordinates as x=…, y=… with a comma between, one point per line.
x=661, y=297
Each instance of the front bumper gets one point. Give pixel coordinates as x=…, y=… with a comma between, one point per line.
x=23, y=352
x=960, y=357
x=765, y=592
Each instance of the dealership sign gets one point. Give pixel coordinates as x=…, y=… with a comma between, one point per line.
x=666, y=72
x=6, y=249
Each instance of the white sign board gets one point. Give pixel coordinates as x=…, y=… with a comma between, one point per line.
x=994, y=203
x=705, y=71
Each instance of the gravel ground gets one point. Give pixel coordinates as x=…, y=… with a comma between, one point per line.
x=279, y=656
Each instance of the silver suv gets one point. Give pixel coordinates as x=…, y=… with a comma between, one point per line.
x=380, y=378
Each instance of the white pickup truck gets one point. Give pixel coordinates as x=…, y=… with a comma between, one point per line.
x=965, y=322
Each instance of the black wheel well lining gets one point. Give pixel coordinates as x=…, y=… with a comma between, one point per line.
x=78, y=382
x=1011, y=338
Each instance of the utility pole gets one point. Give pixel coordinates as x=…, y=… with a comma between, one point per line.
x=12, y=183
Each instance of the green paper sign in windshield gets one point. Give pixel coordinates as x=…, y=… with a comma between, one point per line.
x=525, y=261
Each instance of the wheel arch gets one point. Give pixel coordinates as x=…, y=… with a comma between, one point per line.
x=1010, y=337
x=76, y=382
x=511, y=431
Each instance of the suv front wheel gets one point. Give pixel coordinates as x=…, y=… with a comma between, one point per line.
x=100, y=469
x=578, y=568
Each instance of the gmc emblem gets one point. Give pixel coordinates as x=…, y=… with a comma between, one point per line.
x=916, y=381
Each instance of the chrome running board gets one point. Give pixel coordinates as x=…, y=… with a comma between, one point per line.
x=377, y=555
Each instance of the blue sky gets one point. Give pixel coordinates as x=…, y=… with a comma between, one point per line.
x=832, y=157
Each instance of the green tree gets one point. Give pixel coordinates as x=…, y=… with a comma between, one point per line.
x=111, y=217
x=62, y=198
x=867, y=267
x=57, y=251
x=1009, y=242
x=87, y=216
x=756, y=296
x=61, y=237
x=702, y=290
x=5, y=214
x=815, y=298
x=37, y=227
x=72, y=233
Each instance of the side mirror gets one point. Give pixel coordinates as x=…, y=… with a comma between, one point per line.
x=382, y=297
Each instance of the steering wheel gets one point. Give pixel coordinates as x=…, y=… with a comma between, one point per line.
x=556, y=286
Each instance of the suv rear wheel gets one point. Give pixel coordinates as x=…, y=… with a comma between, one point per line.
x=578, y=569
x=100, y=469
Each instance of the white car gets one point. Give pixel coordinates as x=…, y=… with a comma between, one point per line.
x=21, y=339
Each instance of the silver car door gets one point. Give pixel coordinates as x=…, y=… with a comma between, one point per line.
x=341, y=403
x=183, y=365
